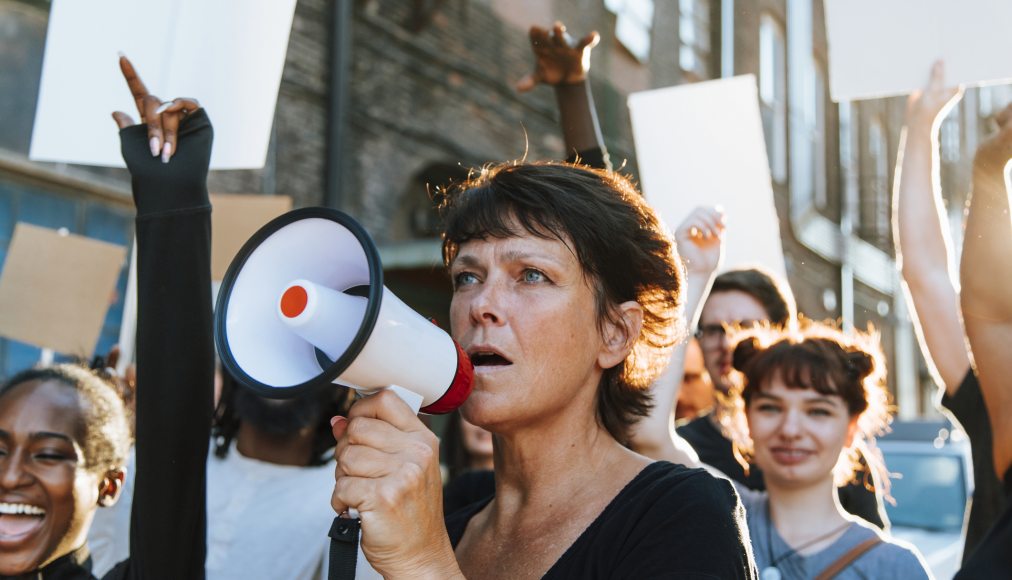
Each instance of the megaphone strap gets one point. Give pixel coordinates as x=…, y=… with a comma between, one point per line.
x=344, y=533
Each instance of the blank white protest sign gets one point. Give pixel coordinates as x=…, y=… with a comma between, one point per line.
x=229, y=55
x=702, y=144
x=880, y=48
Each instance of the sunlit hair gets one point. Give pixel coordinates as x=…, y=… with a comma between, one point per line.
x=820, y=357
x=622, y=247
x=104, y=420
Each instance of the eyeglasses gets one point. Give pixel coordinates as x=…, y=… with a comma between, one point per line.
x=711, y=334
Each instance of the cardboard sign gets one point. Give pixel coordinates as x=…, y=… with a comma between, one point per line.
x=229, y=57
x=56, y=288
x=235, y=218
x=880, y=48
x=702, y=145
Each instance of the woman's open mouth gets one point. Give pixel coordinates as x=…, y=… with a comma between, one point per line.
x=489, y=359
x=19, y=520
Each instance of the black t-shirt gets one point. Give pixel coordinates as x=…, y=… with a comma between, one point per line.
x=716, y=450
x=967, y=407
x=992, y=557
x=669, y=521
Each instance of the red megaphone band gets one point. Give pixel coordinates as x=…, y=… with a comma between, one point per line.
x=463, y=382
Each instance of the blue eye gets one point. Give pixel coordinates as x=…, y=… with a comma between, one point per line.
x=532, y=276
x=464, y=279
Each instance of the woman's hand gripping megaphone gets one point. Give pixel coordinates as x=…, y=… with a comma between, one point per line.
x=388, y=470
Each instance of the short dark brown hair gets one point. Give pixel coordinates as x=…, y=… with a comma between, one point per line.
x=104, y=417
x=619, y=242
x=773, y=293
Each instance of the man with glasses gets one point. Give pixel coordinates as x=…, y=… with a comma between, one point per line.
x=737, y=297
x=745, y=297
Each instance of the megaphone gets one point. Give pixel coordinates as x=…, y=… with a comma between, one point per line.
x=303, y=304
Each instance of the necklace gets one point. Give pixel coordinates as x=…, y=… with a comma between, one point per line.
x=771, y=572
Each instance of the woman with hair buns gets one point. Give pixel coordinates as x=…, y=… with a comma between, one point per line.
x=808, y=400
x=803, y=401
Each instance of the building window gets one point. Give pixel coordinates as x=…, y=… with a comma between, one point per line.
x=773, y=93
x=694, y=51
x=815, y=127
x=874, y=213
x=634, y=22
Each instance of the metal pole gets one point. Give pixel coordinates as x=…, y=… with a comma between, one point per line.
x=340, y=56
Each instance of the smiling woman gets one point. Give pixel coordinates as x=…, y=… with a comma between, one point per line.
x=809, y=399
x=63, y=443
x=63, y=433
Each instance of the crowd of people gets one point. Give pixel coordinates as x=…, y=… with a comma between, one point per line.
x=572, y=300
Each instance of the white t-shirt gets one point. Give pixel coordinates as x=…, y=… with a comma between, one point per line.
x=263, y=521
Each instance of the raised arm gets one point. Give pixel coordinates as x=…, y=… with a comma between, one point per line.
x=986, y=276
x=175, y=351
x=921, y=238
x=700, y=240
x=565, y=65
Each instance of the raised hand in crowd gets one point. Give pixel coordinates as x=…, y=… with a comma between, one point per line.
x=82, y=416
x=921, y=239
x=161, y=117
x=560, y=59
x=986, y=277
x=175, y=347
x=564, y=64
x=700, y=242
x=924, y=256
x=986, y=301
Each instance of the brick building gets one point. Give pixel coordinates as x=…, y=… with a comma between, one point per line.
x=381, y=97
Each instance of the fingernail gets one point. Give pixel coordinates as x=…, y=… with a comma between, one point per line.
x=155, y=146
x=166, y=152
x=120, y=53
x=162, y=108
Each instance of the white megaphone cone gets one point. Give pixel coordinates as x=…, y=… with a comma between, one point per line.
x=304, y=304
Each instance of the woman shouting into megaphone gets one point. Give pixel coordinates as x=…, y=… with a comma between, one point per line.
x=566, y=297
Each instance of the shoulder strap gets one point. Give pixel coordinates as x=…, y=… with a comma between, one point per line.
x=847, y=559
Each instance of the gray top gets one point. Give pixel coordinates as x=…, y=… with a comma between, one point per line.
x=889, y=559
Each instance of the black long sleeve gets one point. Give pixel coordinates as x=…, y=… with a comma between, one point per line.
x=175, y=354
